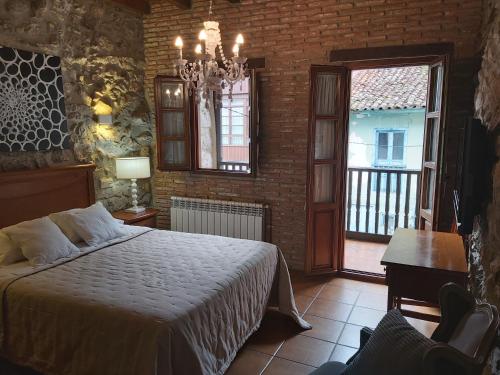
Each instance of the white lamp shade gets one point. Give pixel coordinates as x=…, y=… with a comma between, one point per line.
x=128, y=168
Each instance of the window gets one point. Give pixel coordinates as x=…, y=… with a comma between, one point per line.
x=172, y=124
x=390, y=148
x=204, y=136
x=224, y=134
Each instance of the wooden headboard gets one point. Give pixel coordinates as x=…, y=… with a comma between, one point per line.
x=30, y=194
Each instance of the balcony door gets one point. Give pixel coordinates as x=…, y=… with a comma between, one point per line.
x=431, y=161
x=326, y=153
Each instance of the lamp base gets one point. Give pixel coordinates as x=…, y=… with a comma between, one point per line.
x=136, y=209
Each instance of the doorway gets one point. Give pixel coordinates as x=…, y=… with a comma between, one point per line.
x=331, y=216
x=385, y=142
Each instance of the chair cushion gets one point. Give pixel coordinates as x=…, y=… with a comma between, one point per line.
x=394, y=348
x=330, y=368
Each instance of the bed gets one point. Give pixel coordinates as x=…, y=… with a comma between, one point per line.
x=151, y=302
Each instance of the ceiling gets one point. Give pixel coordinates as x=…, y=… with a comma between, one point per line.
x=144, y=7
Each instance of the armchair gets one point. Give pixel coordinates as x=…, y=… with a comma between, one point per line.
x=462, y=340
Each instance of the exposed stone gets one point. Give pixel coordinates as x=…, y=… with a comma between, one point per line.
x=485, y=241
x=101, y=48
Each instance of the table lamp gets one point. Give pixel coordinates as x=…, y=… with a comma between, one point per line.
x=133, y=168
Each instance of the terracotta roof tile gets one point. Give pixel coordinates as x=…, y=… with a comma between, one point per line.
x=389, y=88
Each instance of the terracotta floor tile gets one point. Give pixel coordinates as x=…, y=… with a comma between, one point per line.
x=423, y=326
x=350, y=336
x=362, y=316
x=372, y=300
x=325, y=308
x=306, y=350
x=374, y=288
x=249, y=362
x=323, y=329
x=302, y=303
x=280, y=366
x=308, y=290
x=342, y=353
x=347, y=283
x=364, y=256
x=274, y=330
x=309, y=286
x=340, y=294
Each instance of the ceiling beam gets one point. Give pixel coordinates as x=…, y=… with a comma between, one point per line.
x=235, y=1
x=183, y=4
x=139, y=5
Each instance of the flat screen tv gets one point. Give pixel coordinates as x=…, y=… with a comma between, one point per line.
x=474, y=179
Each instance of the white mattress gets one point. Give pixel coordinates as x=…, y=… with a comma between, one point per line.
x=155, y=302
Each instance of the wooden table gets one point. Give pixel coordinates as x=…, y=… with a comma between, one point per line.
x=418, y=263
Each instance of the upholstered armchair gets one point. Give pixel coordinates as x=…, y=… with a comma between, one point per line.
x=460, y=345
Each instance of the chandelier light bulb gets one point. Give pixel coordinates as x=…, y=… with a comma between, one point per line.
x=236, y=49
x=178, y=42
x=198, y=49
x=202, y=35
x=240, y=39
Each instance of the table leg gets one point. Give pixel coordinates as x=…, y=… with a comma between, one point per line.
x=390, y=299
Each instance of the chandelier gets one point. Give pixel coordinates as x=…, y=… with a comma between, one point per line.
x=205, y=75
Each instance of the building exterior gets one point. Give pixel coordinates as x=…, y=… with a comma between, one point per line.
x=386, y=120
x=386, y=132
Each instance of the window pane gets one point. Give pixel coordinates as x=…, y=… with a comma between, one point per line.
x=173, y=124
x=237, y=140
x=172, y=95
x=325, y=138
x=326, y=87
x=431, y=186
x=174, y=152
x=222, y=141
x=398, y=143
x=237, y=120
x=432, y=140
x=383, y=146
x=323, y=183
x=238, y=130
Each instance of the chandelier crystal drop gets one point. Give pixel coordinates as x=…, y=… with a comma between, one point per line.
x=205, y=76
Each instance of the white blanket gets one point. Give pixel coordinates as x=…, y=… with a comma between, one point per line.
x=157, y=302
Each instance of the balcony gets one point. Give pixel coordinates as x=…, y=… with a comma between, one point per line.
x=379, y=201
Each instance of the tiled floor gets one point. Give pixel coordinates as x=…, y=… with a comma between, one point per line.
x=337, y=309
x=364, y=256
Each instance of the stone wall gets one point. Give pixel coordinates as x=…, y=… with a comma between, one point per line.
x=102, y=53
x=292, y=35
x=485, y=242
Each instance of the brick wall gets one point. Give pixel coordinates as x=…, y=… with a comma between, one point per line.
x=292, y=35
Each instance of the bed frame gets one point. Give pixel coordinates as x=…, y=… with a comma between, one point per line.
x=30, y=194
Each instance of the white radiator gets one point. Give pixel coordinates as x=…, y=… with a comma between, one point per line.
x=222, y=218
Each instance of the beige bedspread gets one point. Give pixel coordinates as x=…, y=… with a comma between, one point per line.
x=159, y=302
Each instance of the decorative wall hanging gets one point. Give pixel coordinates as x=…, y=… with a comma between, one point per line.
x=32, y=112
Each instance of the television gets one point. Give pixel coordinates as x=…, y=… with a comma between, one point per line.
x=474, y=175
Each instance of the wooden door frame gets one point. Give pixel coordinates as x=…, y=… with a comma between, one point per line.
x=340, y=186
x=371, y=58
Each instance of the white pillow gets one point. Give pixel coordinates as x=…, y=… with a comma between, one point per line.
x=9, y=251
x=60, y=219
x=41, y=241
x=95, y=224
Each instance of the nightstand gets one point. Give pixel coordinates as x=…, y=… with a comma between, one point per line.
x=142, y=219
